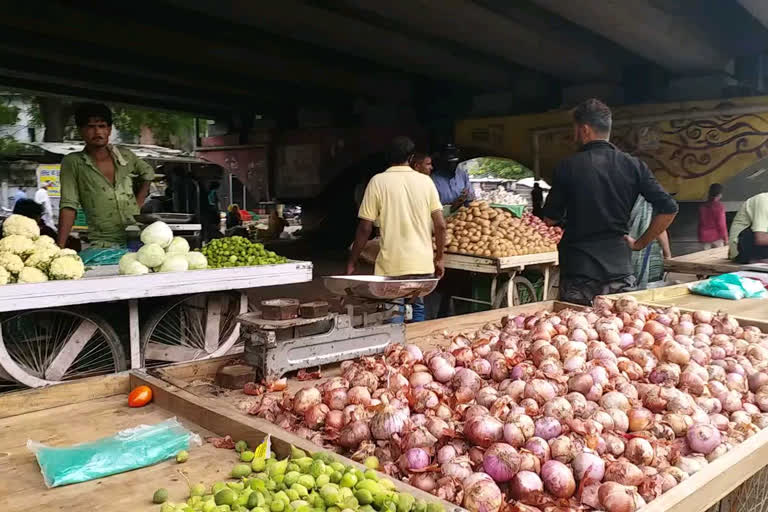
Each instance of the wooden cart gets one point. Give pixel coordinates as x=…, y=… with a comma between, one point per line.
x=511, y=266
x=96, y=407
x=42, y=338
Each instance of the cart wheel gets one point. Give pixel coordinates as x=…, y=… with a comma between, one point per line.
x=47, y=346
x=193, y=327
x=525, y=293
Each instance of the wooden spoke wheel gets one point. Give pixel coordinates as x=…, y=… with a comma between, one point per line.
x=193, y=327
x=41, y=347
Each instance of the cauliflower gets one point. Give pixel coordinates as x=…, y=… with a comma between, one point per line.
x=157, y=233
x=174, y=263
x=178, y=246
x=45, y=242
x=196, y=260
x=5, y=276
x=41, y=258
x=32, y=275
x=151, y=255
x=66, y=267
x=22, y=226
x=133, y=268
x=17, y=244
x=67, y=252
x=11, y=262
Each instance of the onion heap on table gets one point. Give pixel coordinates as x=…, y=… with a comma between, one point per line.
x=602, y=409
x=479, y=229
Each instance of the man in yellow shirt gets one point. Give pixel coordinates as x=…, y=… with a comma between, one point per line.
x=405, y=205
x=749, y=231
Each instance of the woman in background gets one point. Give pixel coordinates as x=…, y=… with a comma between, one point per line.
x=713, y=231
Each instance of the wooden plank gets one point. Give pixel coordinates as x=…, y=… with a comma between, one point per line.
x=224, y=420
x=485, y=265
x=709, y=262
x=81, y=390
x=172, y=353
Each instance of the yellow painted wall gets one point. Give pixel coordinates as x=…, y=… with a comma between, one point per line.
x=686, y=154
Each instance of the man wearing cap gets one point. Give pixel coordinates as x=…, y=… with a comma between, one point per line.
x=452, y=183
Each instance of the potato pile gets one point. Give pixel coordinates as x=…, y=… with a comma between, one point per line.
x=480, y=230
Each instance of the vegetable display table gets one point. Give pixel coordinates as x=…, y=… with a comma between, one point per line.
x=708, y=263
x=508, y=294
x=44, y=341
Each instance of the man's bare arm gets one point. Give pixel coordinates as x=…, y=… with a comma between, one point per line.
x=761, y=238
x=141, y=195
x=664, y=242
x=438, y=221
x=66, y=221
x=363, y=233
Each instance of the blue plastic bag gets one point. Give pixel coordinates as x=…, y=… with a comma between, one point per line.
x=730, y=286
x=129, y=449
x=94, y=256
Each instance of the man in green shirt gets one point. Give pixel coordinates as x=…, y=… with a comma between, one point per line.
x=101, y=180
x=748, y=239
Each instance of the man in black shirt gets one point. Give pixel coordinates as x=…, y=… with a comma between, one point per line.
x=592, y=194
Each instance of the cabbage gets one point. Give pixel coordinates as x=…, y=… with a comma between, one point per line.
x=151, y=255
x=178, y=246
x=133, y=268
x=126, y=260
x=196, y=260
x=157, y=233
x=174, y=263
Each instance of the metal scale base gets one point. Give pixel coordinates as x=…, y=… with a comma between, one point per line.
x=276, y=347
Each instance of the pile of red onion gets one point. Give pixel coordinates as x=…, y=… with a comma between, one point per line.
x=602, y=409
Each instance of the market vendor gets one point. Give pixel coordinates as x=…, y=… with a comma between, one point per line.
x=592, y=194
x=100, y=179
x=749, y=231
x=452, y=183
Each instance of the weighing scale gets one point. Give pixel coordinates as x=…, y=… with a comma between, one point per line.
x=276, y=347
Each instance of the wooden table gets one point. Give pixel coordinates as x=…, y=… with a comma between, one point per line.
x=708, y=263
x=509, y=266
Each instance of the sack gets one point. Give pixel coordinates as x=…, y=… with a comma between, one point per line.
x=93, y=257
x=129, y=449
x=730, y=286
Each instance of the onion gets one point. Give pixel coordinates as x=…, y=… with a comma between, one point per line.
x=359, y=395
x=419, y=437
x=624, y=472
x=558, y=479
x=424, y=481
x=524, y=484
x=438, y=427
x=539, y=390
x=306, y=398
x=588, y=465
x=414, y=459
x=703, y=438
x=558, y=408
x=539, y=447
x=446, y=454
x=513, y=435
x=640, y=419
x=459, y=469
x=639, y=451
x=314, y=417
x=615, y=400
x=547, y=428
x=466, y=378
x=353, y=434
x=334, y=420
x=483, y=430
x=702, y=317
x=481, y=494
x=614, y=497
x=389, y=421
x=561, y=449
x=336, y=398
x=501, y=461
x=419, y=379
x=414, y=352
x=441, y=369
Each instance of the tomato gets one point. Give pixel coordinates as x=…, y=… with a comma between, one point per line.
x=140, y=396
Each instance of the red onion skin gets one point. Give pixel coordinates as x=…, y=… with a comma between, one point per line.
x=558, y=479
x=481, y=494
x=703, y=438
x=483, y=430
x=539, y=447
x=501, y=461
x=513, y=435
x=424, y=481
x=547, y=428
x=415, y=459
x=334, y=420
x=589, y=465
x=524, y=483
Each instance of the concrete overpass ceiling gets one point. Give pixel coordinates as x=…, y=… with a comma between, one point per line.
x=758, y=9
x=668, y=36
x=475, y=26
x=324, y=28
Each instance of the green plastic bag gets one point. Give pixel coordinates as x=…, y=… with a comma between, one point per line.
x=129, y=449
x=730, y=286
x=94, y=257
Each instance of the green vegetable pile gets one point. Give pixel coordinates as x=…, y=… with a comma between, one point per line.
x=297, y=484
x=236, y=251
